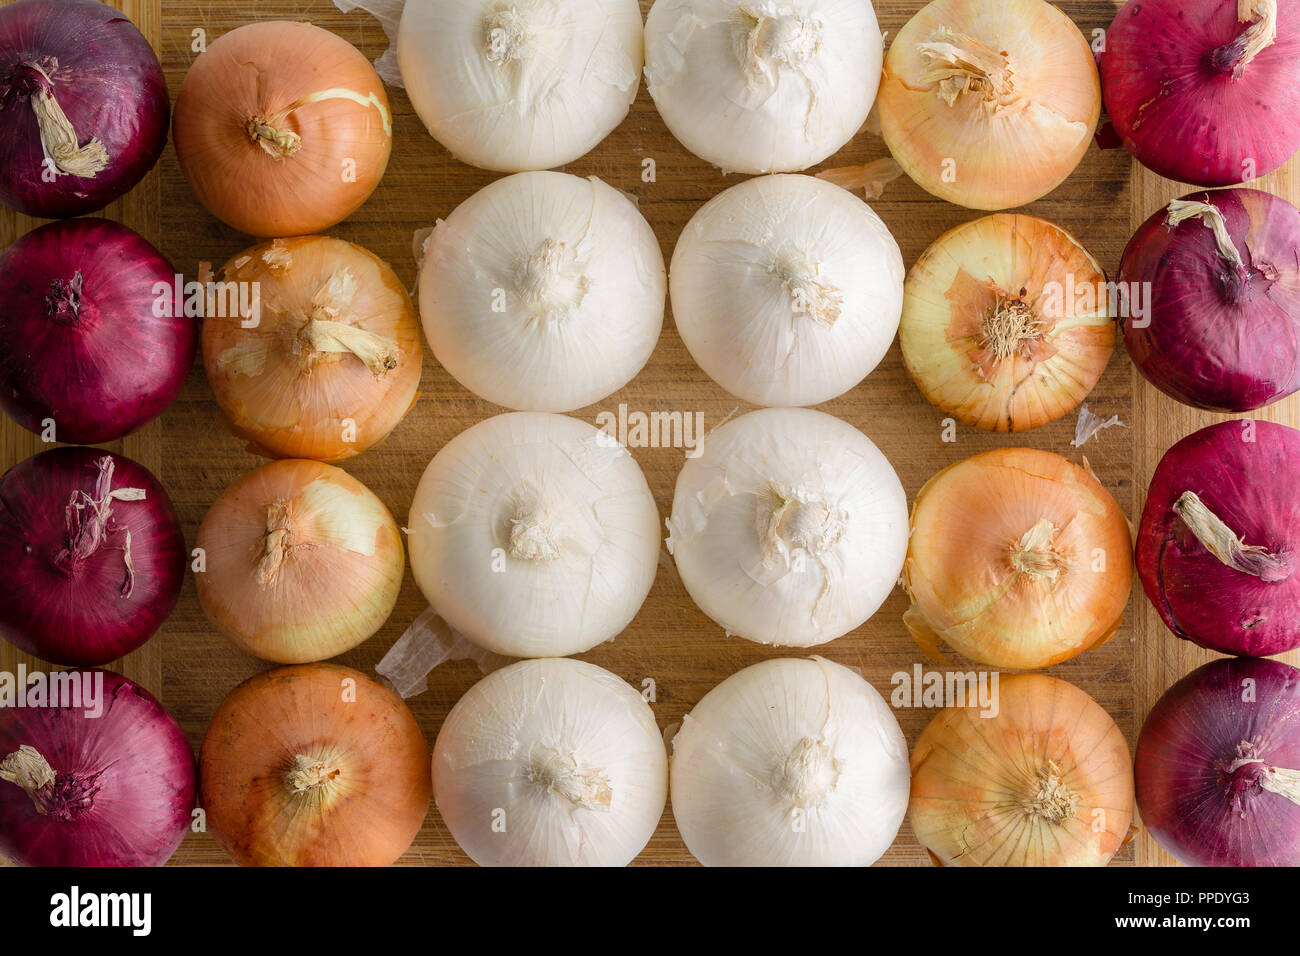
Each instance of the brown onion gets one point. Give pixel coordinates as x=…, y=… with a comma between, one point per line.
x=333, y=362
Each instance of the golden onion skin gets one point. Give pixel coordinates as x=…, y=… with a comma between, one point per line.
x=975, y=587
x=1036, y=365
x=1047, y=781
x=993, y=148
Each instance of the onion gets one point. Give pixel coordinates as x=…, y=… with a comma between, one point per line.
x=91, y=343
x=93, y=556
x=301, y=562
x=1216, y=759
x=1046, y=781
x=282, y=129
x=1217, y=547
x=543, y=292
x=530, y=84
x=85, y=103
x=989, y=104
x=1208, y=92
x=101, y=776
x=1224, y=272
x=551, y=763
x=790, y=763
x=789, y=528
x=1018, y=558
x=1006, y=323
x=314, y=765
x=333, y=362
x=763, y=86
x=534, y=535
x=787, y=290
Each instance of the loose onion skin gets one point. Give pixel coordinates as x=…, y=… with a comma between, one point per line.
x=81, y=338
x=87, y=61
x=298, y=385
x=1226, y=490
x=999, y=327
x=1017, y=558
x=282, y=129
x=957, y=129
x=1221, y=334
x=1208, y=762
x=1046, y=781
x=70, y=595
x=302, y=562
x=124, y=780
x=569, y=753
x=314, y=765
x=1189, y=101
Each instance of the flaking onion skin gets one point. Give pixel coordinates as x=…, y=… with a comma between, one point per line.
x=290, y=399
x=1006, y=323
x=1047, y=781
x=1001, y=143
x=1018, y=558
x=314, y=765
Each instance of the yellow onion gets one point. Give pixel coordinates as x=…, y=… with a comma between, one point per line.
x=299, y=562
x=1017, y=558
x=332, y=360
x=1006, y=323
x=989, y=104
x=1046, y=781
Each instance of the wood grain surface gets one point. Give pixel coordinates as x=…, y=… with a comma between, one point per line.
x=670, y=641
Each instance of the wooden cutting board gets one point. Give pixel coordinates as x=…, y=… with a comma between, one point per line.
x=192, y=668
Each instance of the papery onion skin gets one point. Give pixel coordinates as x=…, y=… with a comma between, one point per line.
x=91, y=353
x=992, y=332
x=789, y=109
x=302, y=562
x=1243, y=472
x=124, y=785
x=284, y=396
x=264, y=73
x=789, y=528
x=1196, y=807
x=534, y=535
x=72, y=610
x=1220, y=336
x=1041, y=127
x=108, y=83
x=970, y=588
x=543, y=292
x=567, y=752
x=790, y=763
x=787, y=290
x=360, y=742
x=1172, y=96
x=1046, y=781
x=564, y=76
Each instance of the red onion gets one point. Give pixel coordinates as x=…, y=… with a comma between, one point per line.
x=1219, y=543
x=80, y=341
x=85, y=106
x=1217, y=783
x=92, y=553
x=1205, y=91
x=1223, y=331
x=122, y=785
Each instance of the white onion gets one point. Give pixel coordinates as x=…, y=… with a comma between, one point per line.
x=551, y=763
x=524, y=84
x=543, y=292
x=787, y=290
x=760, y=86
x=790, y=763
x=534, y=535
x=790, y=528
